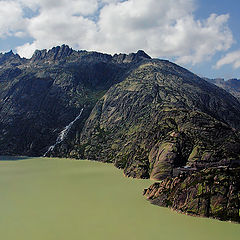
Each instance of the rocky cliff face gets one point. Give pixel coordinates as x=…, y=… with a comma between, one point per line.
x=210, y=193
x=10, y=59
x=42, y=95
x=159, y=118
x=150, y=117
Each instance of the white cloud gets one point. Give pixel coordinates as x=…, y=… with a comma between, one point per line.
x=26, y=50
x=11, y=18
x=83, y=7
x=62, y=29
x=200, y=40
x=231, y=58
x=161, y=28
x=59, y=22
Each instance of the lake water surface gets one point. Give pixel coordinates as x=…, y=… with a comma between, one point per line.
x=62, y=199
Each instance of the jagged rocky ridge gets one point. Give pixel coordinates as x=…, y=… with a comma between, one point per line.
x=150, y=117
x=41, y=95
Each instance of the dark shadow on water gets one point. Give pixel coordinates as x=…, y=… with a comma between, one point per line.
x=13, y=158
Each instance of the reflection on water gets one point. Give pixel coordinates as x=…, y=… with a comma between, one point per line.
x=62, y=199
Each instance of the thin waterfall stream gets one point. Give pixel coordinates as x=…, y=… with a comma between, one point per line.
x=62, y=135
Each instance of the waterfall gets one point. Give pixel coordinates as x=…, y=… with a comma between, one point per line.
x=62, y=135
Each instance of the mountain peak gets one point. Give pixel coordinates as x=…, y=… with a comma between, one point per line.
x=131, y=57
x=61, y=53
x=10, y=53
x=10, y=58
x=55, y=53
x=141, y=53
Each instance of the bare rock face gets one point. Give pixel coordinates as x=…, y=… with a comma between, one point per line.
x=150, y=117
x=42, y=95
x=147, y=116
x=10, y=59
x=162, y=157
x=159, y=118
x=209, y=193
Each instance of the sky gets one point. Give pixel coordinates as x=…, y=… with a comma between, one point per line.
x=200, y=35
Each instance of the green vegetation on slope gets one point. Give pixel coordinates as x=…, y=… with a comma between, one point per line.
x=147, y=116
x=159, y=118
x=41, y=95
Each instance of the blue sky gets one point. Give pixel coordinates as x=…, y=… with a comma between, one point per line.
x=200, y=35
x=231, y=7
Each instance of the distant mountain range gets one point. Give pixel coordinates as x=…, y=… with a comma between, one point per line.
x=231, y=85
x=150, y=117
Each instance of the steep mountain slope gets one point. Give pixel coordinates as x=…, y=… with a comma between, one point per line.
x=40, y=96
x=232, y=85
x=159, y=118
x=150, y=117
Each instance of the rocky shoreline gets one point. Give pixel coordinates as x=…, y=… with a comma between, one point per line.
x=149, y=117
x=213, y=193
